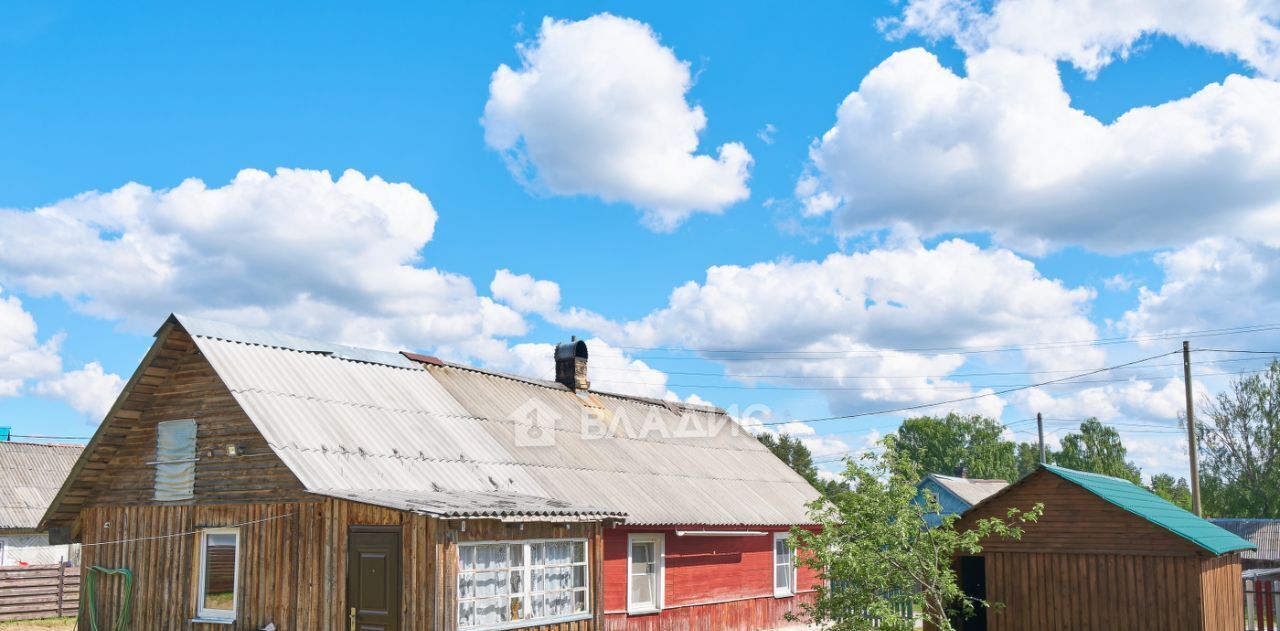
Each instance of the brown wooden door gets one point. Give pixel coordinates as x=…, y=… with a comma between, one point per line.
x=373, y=580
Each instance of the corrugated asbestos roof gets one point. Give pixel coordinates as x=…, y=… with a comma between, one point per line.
x=1155, y=509
x=30, y=476
x=472, y=505
x=457, y=439
x=1264, y=533
x=969, y=490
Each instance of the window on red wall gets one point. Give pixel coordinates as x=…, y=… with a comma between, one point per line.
x=644, y=572
x=784, y=565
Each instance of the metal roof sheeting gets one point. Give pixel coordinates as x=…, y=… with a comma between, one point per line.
x=344, y=423
x=30, y=476
x=1264, y=533
x=475, y=505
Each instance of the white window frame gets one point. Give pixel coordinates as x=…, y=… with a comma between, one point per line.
x=218, y=615
x=528, y=583
x=789, y=590
x=660, y=559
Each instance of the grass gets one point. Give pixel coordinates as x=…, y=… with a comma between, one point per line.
x=46, y=624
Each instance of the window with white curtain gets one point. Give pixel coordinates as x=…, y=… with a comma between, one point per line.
x=784, y=565
x=509, y=584
x=644, y=573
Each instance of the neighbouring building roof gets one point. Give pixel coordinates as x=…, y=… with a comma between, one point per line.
x=968, y=490
x=1153, y=508
x=30, y=476
x=1264, y=533
x=452, y=440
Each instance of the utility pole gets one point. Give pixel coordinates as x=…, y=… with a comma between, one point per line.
x=1040, y=426
x=1191, y=432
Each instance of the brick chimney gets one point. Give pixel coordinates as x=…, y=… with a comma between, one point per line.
x=571, y=364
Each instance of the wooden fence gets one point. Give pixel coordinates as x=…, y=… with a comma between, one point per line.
x=39, y=591
x=1261, y=605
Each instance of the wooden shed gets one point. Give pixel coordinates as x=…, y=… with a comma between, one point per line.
x=1107, y=554
x=251, y=479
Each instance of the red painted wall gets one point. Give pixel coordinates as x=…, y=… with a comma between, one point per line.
x=700, y=570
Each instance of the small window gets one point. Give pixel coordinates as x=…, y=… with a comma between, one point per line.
x=644, y=573
x=784, y=566
x=509, y=584
x=175, y=460
x=219, y=573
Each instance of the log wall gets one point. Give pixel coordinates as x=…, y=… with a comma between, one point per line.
x=292, y=564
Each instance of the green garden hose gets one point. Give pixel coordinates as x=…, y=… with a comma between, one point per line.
x=90, y=606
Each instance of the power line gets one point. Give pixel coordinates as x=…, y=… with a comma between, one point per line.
x=929, y=388
x=687, y=373
x=922, y=406
x=970, y=349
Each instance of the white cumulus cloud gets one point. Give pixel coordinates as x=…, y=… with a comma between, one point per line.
x=22, y=355
x=1092, y=33
x=298, y=250
x=597, y=107
x=1001, y=150
x=846, y=325
x=89, y=390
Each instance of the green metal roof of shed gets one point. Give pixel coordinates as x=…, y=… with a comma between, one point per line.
x=1156, y=510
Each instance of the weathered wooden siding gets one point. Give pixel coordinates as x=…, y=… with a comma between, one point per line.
x=707, y=581
x=1221, y=587
x=1092, y=592
x=293, y=563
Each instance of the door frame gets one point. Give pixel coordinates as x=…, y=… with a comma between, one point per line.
x=348, y=597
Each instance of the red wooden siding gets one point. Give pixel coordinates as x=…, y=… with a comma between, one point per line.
x=710, y=583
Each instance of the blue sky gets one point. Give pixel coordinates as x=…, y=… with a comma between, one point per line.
x=1006, y=183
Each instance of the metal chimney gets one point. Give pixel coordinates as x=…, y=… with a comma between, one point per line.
x=571, y=364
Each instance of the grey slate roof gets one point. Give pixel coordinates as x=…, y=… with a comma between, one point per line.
x=970, y=490
x=30, y=476
x=451, y=440
x=1264, y=533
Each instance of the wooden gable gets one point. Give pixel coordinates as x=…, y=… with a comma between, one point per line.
x=174, y=381
x=1074, y=521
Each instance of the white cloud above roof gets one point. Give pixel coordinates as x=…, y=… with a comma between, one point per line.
x=335, y=258
x=598, y=107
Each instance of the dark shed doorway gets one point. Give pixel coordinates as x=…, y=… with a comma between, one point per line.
x=973, y=582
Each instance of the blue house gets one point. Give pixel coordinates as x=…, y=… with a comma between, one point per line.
x=955, y=494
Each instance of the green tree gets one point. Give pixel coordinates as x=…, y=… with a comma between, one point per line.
x=1097, y=448
x=947, y=445
x=1238, y=433
x=1028, y=458
x=874, y=551
x=1175, y=491
x=797, y=456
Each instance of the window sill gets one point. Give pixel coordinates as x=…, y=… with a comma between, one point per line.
x=783, y=594
x=644, y=612
x=223, y=621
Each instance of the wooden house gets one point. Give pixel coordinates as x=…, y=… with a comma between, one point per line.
x=1107, y=554
x=249, y=478
x=30, y=476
